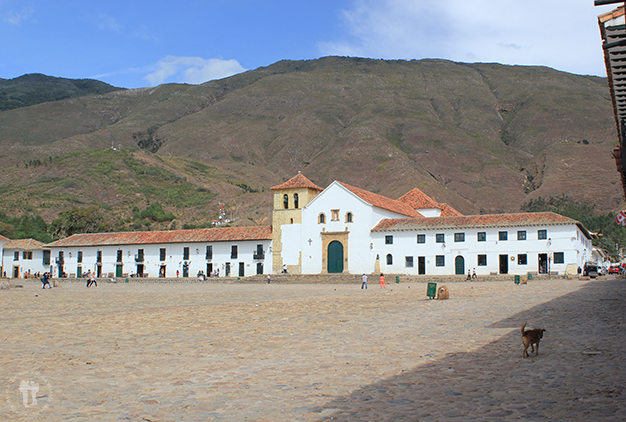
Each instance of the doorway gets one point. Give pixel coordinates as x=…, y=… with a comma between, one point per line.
x=543, y=263
x=335, y=257
x=459, y=265
x=209, y=269
x=504, y=264
x=242, y=269
x=421, y=265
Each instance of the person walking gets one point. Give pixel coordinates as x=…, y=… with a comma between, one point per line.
x=269, y=278
x=382, y=281
x=46, y=281
x=91, y=279
x=364, y=282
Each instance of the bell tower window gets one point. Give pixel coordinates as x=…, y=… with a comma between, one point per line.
x=295, y=200
x=286, y=201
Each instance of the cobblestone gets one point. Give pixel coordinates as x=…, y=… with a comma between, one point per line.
x=314, y=352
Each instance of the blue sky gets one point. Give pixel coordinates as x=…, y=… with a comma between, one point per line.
x=138, y=43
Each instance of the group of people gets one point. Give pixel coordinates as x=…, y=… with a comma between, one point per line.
x=381, y=278
x=472, y=275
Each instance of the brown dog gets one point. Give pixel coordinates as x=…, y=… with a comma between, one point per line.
x=530, y=338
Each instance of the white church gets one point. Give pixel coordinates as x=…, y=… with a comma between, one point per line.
x=337, y=229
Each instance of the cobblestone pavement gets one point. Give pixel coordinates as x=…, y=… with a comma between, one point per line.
x=258, y=352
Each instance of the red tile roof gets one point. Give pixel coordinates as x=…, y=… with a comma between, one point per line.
x=448, y=211
x=383, y=202
x=298, y=181
x=418, y=200
x=2, y=238
x=476, y=221
x=224, y=234
x=24, y=244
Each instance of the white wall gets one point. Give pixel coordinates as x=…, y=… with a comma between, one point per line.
x=292, y=240
x=30, y=266
x=566, y=239
x=174, y=258
x=361, y=257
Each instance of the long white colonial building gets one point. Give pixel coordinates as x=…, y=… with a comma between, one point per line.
x=338, y=229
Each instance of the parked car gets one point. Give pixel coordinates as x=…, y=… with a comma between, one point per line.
x=590, y=270
x=615, y=269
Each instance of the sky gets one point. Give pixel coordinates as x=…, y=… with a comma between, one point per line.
x=137, y=43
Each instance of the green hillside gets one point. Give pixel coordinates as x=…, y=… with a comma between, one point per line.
x=482, y=137
x=28, y=90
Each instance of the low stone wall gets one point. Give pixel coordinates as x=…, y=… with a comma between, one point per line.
x=317, y=279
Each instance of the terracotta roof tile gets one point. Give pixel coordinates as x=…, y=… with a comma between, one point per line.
x=25, y=244
x=475, y=221
x=448, y=211
x=298, y=181
x=418, y=200
x=225, y=234
x=2, y=238
x=383, y=202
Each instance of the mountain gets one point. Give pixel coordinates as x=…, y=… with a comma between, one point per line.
x=482, y=137
x=36, y=88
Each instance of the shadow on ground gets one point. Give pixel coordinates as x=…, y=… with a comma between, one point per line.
x=579, y=374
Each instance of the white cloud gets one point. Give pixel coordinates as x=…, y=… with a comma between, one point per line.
x=16, y=18
x=558, y=33
x=192, y=70
x=109, y=23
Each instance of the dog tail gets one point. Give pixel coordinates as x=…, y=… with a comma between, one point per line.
x=524, y=326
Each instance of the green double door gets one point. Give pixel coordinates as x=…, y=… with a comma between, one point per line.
x=459, y=265
x=335, y=257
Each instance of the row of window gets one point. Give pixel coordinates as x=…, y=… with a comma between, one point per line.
x=139, y=257
x=334, y=214
x=440, y=260
x=25, y=255
x=480, y=237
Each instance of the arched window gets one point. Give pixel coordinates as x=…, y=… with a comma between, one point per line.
x=348, y=217
x=321, y=219
x=285, y=201
x=295, y=200
x=389, y=259
x=291, y=221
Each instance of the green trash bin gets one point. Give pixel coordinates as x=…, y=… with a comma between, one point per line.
x=517, y=279
x=397, y=279
x=431, y=291
x=126, y=280
x=530, y=276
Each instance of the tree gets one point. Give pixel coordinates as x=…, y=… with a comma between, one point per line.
x=78, y=220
